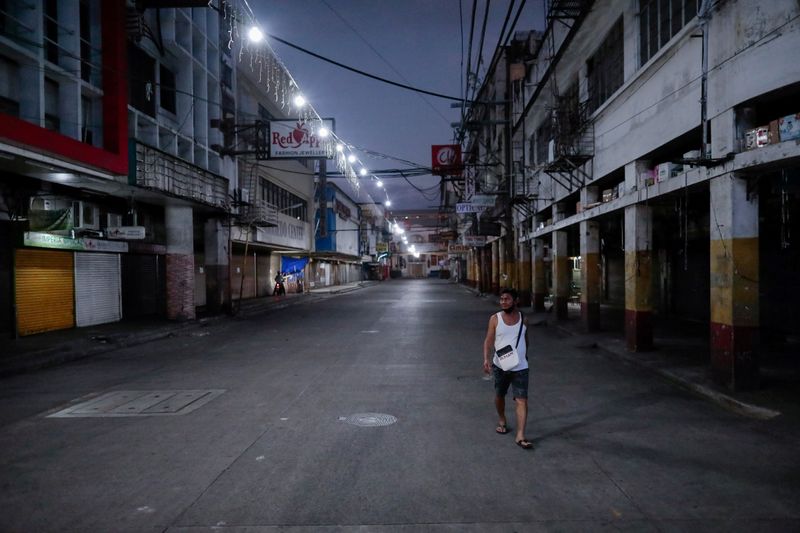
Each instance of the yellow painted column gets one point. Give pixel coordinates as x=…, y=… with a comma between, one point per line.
x=524, y=274
x=495, y=276
x=638, y=278
x=590, y=274
x=560, y=274
x=734, y=283
x=537, y=275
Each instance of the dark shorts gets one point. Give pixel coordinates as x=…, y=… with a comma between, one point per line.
x=518, y=381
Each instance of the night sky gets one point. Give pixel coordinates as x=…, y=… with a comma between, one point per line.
x=415, y=42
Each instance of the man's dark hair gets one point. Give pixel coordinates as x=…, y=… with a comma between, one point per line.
x=511, y=292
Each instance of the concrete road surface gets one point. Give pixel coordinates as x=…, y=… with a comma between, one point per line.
x=273, y=423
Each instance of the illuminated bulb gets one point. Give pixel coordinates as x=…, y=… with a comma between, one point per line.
x=339, y=148
x=380, y=183
x=323, y=132
x=388, y=203
x=299, y=101
x=255, y=34
x=363, y=171
x=351, y=158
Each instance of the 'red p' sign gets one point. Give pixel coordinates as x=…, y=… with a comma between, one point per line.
x=446, y=159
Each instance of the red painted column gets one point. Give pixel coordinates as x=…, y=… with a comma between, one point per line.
x=734, y=264
x=638, y=278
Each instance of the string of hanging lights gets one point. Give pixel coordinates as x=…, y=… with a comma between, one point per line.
x=255, y=51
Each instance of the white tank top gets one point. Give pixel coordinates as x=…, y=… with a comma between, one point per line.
x=504, y=335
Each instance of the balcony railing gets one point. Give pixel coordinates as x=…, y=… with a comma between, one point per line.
x=159, y=171
x=259, y=213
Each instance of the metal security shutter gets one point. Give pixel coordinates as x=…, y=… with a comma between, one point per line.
x=142, y=286
x=97, y=289
x=44, y=290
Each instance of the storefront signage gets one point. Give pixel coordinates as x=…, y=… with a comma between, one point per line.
x=458, y=249
x=125, y=232
x=468, y=207
x=298, y=138
x=289, y=232
x=49, y=240
x=381, y=247
x=446, y=159
x=482, y=199
x=474, y=240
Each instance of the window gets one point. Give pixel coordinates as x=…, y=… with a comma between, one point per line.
x=660, y=21
x=86, y=42
x=86, y=120
x=544, y=134
x=605, y=68
x=50, y=40
x=9, y=87
x=51, y=120
x=167, y=89
x=141, y=81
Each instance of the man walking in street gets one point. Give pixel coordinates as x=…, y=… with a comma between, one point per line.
x=506, y=328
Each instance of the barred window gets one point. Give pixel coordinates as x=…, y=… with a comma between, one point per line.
x=606, y=71
x=660, y=21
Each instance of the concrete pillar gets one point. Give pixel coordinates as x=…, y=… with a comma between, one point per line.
x=539, y=284
x=502, y=264
x=590, y=274
x=495, y=275
x=638, y=278
x=560, y=274
x=734, y=283
x=218, y=296
x=510, y=258
x=180, y=262
x=524, y=273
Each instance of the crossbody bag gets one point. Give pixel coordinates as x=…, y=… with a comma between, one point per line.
x=507, y=356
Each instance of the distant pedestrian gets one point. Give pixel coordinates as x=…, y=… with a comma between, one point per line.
x=280, y=287
x=506, y=329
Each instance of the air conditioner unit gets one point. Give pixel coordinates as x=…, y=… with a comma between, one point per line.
x=85, y=216
x=245, y=196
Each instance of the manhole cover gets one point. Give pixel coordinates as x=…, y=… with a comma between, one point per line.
x=370, y=419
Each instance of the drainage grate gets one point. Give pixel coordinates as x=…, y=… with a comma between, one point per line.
x=140, y=403
x=369, y=419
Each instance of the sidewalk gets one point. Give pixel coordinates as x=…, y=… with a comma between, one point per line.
x=56, y=347
x=680, y=355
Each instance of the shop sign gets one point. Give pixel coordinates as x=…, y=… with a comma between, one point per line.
x=446, y=159
x=125, y=232
x=298, y=139
x=49, y=240
x=474, y=240
x=458, y=249
x=469, y=207
x=482, y=199
x=381, y=247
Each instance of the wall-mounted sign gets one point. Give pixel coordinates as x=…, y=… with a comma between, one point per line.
x=446, y=159
x=125, y=232
x=298, y=138
x=467, y=207
x=482, y=199
x=458, y=249
x=49, y=240
x=474, y=240
x=381, y=247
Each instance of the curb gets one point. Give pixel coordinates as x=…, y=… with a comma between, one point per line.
x=703, y=391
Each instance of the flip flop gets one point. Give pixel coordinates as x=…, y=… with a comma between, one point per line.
x=502, y=429
x=524, y=444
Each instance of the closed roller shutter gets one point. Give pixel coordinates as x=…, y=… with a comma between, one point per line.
x=97, y=289
x=44, y=290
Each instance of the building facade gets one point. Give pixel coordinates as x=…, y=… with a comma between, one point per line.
x=653, y=168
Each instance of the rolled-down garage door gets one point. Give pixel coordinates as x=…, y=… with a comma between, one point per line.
x=97, y=289
x=44, y=290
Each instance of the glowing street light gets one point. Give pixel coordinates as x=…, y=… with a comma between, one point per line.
x=255, y=34
x=323, y=132
x=339, y=148
x=351, y=158
x=380, y=183
x=299, y=101
x=363, y=171
x=388, y=203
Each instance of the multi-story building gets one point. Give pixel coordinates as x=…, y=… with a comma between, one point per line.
x=655, y=147
x=420, y=240
x=337, y=255
x=128, y=186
